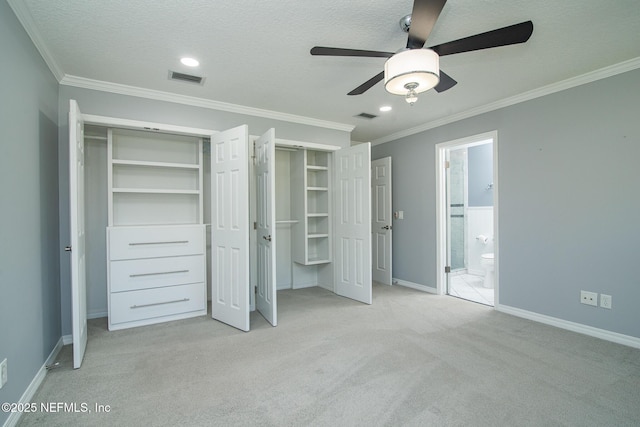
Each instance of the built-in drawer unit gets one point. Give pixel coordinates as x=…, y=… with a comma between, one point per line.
x=155, y=274
x=155, y=241
x=156, y=303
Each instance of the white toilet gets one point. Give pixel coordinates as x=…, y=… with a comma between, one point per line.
x=487, y=263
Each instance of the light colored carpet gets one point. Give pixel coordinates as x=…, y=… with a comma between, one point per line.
x=409, y=359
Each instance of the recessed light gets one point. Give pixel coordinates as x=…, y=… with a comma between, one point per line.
x=190, y=62
x=385, y=108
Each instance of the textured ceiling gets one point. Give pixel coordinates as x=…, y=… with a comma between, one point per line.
x=256, y=53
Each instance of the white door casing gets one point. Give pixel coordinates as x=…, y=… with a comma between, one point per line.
x=381, y=225
x=353, y=222
x=266, y=296
x=230, y=227
x=77, y=231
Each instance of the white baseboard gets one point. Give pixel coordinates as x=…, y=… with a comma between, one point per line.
x=97, y=314
x=417, y=286
x=306, y=285
x=35, y=384
x=572, y=326
x=67, y=339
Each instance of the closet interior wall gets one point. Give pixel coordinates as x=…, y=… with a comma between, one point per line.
x=96, y=219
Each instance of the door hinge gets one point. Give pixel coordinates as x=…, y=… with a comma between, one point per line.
x=447, y=269
x=255, y=225
x=254, y=159
x=446, y=164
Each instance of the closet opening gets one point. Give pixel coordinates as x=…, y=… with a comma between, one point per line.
x=148, y=185
x=322, y=227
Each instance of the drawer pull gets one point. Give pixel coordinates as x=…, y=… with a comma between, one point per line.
x=158, y=273
x=160, y=303
x=157, y=243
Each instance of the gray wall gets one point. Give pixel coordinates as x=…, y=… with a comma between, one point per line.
x=568, y=201
x=129, y=107
x=29, y=244
x=480, y=175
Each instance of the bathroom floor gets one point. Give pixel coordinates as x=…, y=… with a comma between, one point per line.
x=469, y=287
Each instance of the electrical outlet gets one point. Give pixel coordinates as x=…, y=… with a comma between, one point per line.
x=3, y=373
x=605, y=301
x=589, y=298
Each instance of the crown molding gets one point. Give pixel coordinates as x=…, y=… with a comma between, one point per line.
x=592, y=76
x=121, y=89
x=24, y=16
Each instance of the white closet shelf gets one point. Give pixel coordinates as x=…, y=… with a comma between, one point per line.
x=317, y=189
x=317, y=215
x=317, y=168
x=156, y=164
x=317, y=236
x=317, y=261
x=287, y=221
x=155, y=191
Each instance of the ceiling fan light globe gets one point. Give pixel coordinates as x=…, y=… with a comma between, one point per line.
x=419, y=66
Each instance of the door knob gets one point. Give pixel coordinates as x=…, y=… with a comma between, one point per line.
x=267, y=238
x=67, y=248
x=386, y=227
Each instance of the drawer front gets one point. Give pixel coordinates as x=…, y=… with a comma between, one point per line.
x=155, y=242
x=129, y=275
x=150, y=303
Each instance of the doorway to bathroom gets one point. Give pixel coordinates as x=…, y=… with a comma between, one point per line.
x=467, y=198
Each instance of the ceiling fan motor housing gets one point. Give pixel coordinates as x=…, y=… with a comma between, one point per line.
x=418, y=68
x=405, y=23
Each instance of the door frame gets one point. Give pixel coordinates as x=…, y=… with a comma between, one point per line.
x=441, y=208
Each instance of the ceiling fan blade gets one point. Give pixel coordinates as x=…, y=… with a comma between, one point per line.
x=368, y=84
x=513, y=34
x=446, y=82
x=423, y=18
x=337, y=51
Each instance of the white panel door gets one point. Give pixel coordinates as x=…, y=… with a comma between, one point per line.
x=77, y=231
x=381, y=220
x=352, y=241
x=230, y=228
x=266, y=297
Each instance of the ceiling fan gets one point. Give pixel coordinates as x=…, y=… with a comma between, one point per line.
x=416, y=69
